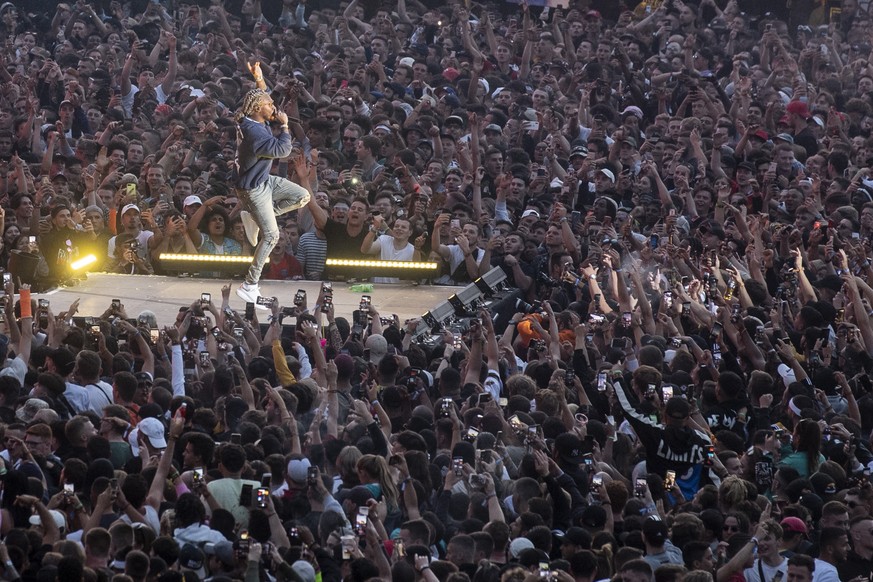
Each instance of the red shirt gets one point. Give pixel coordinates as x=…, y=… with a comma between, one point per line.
x=285, y=268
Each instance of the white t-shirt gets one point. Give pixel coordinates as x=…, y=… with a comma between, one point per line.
x=751, y=574
x=127, y=100
x=825, y=572
x=389, y=253
x=142, y=238
x=100, y=394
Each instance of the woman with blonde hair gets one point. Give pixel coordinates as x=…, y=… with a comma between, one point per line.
x=347, y=467
x=374, y=475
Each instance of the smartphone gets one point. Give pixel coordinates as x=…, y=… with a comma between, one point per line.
x=686, y=308
x=205, y=298
x=265, y=301
x=366, y=301
x=312, y=476
x=69, y=488
x=113, y=484
x=710, y=454
x=197, y=475
x=326, y=288
x=653, y=241
x=640, y=487
x=361, y=521
x=262, y=495
x=626, y=319
x=300, y=298
x=619, y=343
x=204, y=358
x=471, y=435
x=154, y=334
x=235, y=438
x=601, y=381
x=670, y=480
x=666, y=393
x=245, y=496
x=516, y=423
x=458, y=466
x=455, y=223
x=668, y=299
x=326, y=304
x=243, y=542
x=266, y=480
x=597, y=481
x=95, y=330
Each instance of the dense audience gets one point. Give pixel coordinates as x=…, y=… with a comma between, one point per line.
x=680, y=195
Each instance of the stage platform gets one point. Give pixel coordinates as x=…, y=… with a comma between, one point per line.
x=164, y=295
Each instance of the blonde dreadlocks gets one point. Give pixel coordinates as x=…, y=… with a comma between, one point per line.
x=250, y=103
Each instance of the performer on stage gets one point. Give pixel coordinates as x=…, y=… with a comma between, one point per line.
x=264, y=196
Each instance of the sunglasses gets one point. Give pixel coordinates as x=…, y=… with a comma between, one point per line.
x=733, y=528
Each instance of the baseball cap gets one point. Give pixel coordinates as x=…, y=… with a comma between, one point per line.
x=127, y=208
x=189, y=200
x=794, y=524
x=153, y=429
x=530, y=212
x=59, y=518
x=454, y=119
x=798, y=108
x=569, y=448
x=298, y=470
x=221, y=550
x=577, y=536
x=191, y=558
x=378, y=347
x=579, y=151
x=518, y=545
x=608, y=173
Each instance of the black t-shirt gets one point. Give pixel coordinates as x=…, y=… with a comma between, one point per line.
x=339, y=244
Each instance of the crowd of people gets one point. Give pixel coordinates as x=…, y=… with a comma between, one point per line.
x=680, y=195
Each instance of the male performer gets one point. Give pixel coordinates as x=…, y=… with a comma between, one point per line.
x=264, y=196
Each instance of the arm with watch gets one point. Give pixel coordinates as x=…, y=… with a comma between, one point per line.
x=736, y=565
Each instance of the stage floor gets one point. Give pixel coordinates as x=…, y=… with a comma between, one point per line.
x=164, y=295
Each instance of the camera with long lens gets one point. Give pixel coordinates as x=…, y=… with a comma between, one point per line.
x=544, y=279
x=522, y=305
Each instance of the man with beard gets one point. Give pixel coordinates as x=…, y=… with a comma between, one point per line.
x=677, y=445
x=518, y=272
x=38, y=440
x=60, y=246
x=834, y=549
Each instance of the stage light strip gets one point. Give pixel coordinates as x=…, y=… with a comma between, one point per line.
x=381, y=264
x=83, y=262
x=207, y=258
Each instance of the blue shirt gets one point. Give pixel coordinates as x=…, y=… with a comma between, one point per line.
x=256, y=151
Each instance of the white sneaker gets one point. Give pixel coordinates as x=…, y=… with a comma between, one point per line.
x=250, y=294
x=290, y=204
x=251, y=227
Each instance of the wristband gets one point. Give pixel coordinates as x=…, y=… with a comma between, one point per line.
x=26, y=308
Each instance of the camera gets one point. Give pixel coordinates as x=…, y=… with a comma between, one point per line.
x=529, y=308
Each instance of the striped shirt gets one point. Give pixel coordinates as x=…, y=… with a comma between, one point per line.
x=312, y=253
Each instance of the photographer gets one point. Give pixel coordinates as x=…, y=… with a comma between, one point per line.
x=131, y=222
x=127, y=258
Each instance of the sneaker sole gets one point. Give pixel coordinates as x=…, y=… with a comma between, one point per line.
x=251, y=227
x=248, y=299
x=289, y=206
